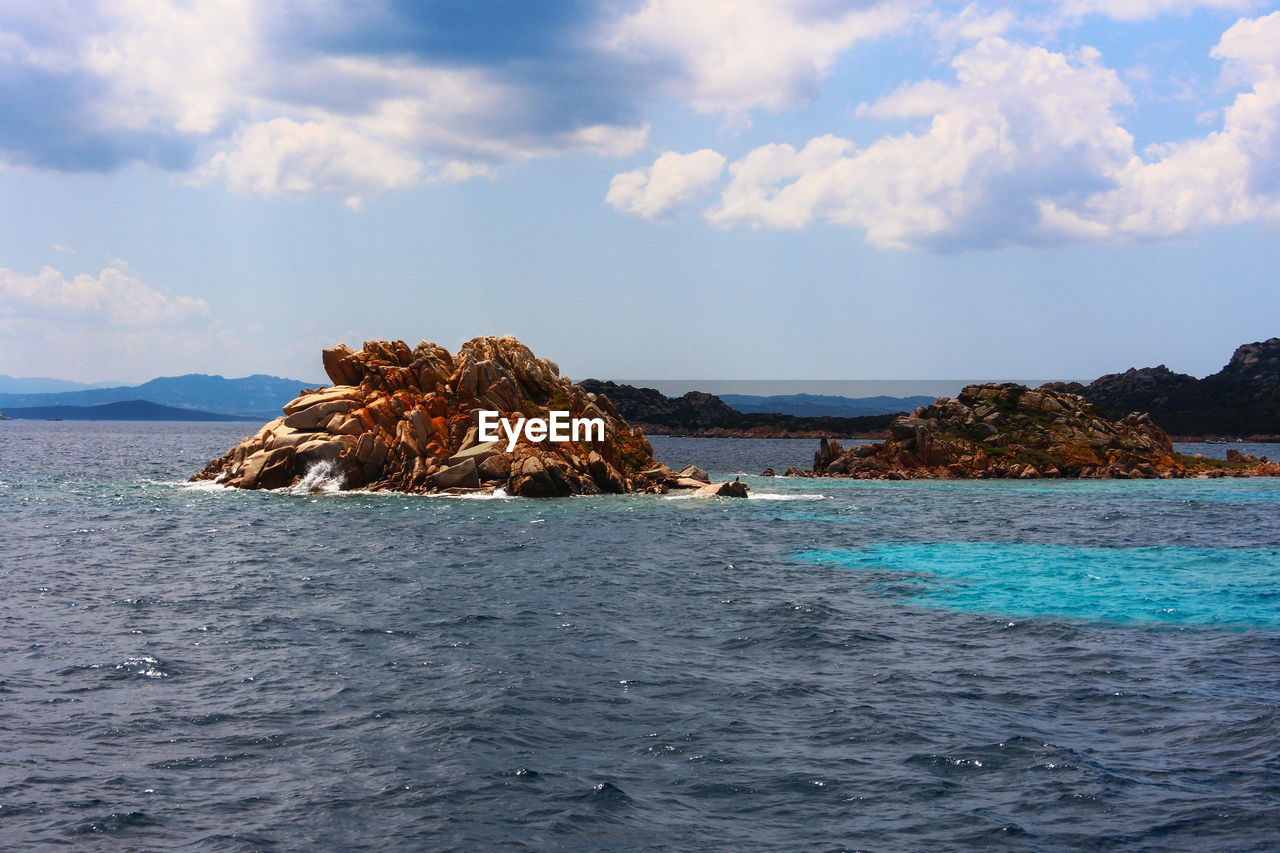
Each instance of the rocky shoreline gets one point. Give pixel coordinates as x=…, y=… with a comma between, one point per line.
x=1011, y=431
x=402, y=419
x=753, y=432
x=1221, y=439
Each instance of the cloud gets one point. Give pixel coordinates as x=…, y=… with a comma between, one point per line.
x=104, y=326
x=1026, y=148
x=352, y=100
x=1230, y=176
x=969, y=24
x=114, y=297
x=1253, y=45
x=321, y=98
x=283, y=157
x=175, y=67
x=728, y=57
x=1021, y=123
x=673, y=178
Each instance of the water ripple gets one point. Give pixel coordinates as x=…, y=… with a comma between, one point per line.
x=937, y=666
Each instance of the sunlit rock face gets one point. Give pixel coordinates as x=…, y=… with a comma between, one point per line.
x=406, y=419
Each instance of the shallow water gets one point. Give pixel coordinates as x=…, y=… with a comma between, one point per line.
x=836, y=664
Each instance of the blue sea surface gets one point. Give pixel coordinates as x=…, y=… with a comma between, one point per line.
x=831, y=665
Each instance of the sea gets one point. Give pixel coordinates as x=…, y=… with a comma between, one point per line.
x=829, y=665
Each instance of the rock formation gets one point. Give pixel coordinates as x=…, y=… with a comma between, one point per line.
x=1242, y=399
x=401, y=419
x=1012, y=431
x=705, y=415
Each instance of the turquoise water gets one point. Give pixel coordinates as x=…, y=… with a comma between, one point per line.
x=1160, y=553
x=1168, y=584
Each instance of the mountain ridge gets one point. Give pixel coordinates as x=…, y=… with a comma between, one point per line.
x=120, y=410
x=1241, y=399
x=255, y=396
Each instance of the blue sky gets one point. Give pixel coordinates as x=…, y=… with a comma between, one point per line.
x=640, y=188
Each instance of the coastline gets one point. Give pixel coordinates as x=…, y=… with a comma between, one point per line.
x=753, y=432
x=770, y=432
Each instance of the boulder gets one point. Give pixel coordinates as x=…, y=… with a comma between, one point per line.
x=341, y=365
x=317, y=415
x=693, y=472
x=406, y=419
x=463, y=475
x=306, y=401
x=478, y=452
x=320, y=450
x=267, y=469
x=496, y=466
x=732, y=489
x=689, y=483
x=533, y=479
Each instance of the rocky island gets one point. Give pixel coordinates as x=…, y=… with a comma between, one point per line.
x=703, y=415
x=1241, y=399
x=406, y=419
x=1011, y=431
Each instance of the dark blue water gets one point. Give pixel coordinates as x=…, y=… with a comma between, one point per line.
x=836, y=665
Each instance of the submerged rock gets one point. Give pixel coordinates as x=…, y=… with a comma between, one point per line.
x=1010, y=431
x=406, y=419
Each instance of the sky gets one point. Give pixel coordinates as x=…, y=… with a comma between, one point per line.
x=777, y=189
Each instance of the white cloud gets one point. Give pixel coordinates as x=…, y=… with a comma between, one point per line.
x=1021, y=122
x=730, y=57
x=1230, y=176
x=1253, y=45
x=104, y=326
x=283, y=157
x=673, y=178
x=184, y=66
x=355, y=100
x=113, y=297
x=1026, y=148
x=971, y=23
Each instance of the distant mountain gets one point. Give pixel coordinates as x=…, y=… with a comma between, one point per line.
x=1241, y=399
x=127, y=410
x=823, y=405
x=698, y=413
x=42, y=385
x=258, y=396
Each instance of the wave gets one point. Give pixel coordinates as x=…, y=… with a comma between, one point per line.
x=498, y=494
x=197, y=486
x=323, y=477
x=778, y=496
